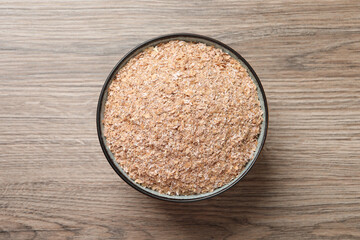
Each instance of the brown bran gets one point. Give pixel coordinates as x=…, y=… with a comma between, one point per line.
x=182, y=118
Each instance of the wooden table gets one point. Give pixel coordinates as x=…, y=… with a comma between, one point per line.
x=55, y=182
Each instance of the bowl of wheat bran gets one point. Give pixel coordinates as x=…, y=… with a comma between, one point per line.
x=182, y=117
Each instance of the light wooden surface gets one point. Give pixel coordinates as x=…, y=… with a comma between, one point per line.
x=55, y=182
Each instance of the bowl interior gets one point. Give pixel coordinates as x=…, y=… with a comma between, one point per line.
x=191, y=38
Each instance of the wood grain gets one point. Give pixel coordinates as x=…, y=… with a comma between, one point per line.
x=55, y=182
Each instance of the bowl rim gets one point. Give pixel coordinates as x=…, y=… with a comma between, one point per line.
x=113, y=73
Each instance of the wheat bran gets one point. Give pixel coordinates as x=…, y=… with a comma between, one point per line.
x=182, y=118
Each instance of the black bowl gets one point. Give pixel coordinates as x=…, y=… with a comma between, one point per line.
x=191, y=38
